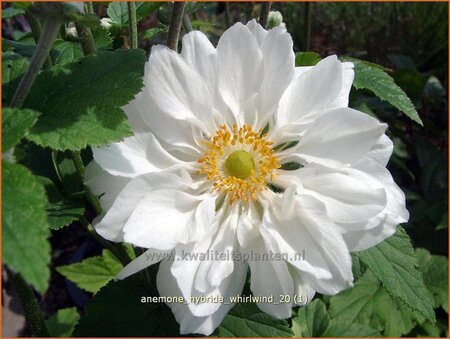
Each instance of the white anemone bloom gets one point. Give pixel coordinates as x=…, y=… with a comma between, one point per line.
x=238, y=151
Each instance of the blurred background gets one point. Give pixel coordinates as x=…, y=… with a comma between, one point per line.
x=410, y=39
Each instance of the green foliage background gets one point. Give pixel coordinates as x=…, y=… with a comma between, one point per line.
x=401, y=285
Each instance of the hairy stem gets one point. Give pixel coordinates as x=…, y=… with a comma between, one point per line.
x=133, y=24
x=264, y=15
x=228, y=18
x=116, y=250
x=89, y=7
x=36, y=31
x=187, y=23
x=29, y=304
x=48, y=35
x=307, y=28
x=86, y=39
x=175, y=25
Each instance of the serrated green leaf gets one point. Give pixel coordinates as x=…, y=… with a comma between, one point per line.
x=394, y=262
x=62, y=323
x=102, y=38
x=369, y=304
x=13, y=67
x=348, y=330
x=154, y=31
x=373, y=78
x=118, y=11
x=306, y=58
x=65, y=52
x=11, y=12
x=117, y=311
x=312, y=320
x=60, y=211
x=15, y=124
x=25, y=231
x=81, y=102
x=247, y=320
x=435, y=276
x=92, y=273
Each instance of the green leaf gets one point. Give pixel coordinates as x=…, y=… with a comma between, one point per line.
x=312, y=320
x=62, y=323
x=13, y=67
x=154, y=31
x=435, y=276
x=118, y=11
x=117, y=311
x=348, y=330
x=247, y=320
x=60, y=211
x=11, y=12
x=15, y=124
x=81, y=102
x=373, y=78
x=25, y=231
x=394, y=262
x=368, y=303
x=92, y=273
x=66, y=51
x=102, y=38
x=306, y=58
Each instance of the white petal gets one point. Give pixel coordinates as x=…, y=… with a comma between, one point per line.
x=199, y=273
x=269, y=277
x=312, y=92
x=103, y=184
x=136, y=155
x=111, y=225
x=305, y=293
x=349, y=195
x=278, y=58
x=362, y=240
x=339, y=137
x=305, y=228
x=190, y=323
x=179, y=134
x=177, y=89
x=348, y=74
x=200, y=54
x=258, y=31
x=381, y=151
x=211, y=273
x=239, y=65
x=165, y=218
x=143, y=261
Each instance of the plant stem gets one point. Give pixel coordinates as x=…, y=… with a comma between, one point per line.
x=175, y=25
x=29, y=304
x=89, y=7
x=307, y=28
x=228, y=20
x=117, y=251
x=88, y=195
x=43, y=47
x=264, y=15
x=133, y=24
x=86, y=39
x=187, y=23
x=78, y=162
x=36, y=31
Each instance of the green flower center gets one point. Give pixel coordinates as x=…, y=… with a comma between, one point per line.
x=240, y=164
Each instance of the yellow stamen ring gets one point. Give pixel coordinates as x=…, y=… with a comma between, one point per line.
x=239, y=162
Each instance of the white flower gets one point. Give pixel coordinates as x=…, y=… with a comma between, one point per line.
x=212, y=127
